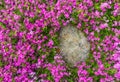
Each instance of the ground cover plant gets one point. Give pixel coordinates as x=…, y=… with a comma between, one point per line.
x=29, y=31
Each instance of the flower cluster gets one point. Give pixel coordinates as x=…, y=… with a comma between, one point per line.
x=29, y=40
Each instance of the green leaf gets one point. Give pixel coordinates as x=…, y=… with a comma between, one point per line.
x=94, y=65
x=96, y=34
x=90, y=71
x=97, y=78
x=108, y=13
x=3, y=25
x=107, y=65
x=73, y=74
x=50, y=77
x=2, y=6
x=113, y=18
x=32, y=20
x=61, y=17
x=12, y=33
x=14, y=40
x=105, y=32
x=103, y=57
x=97, y=6
x=119, y=36
x=56, y=41
x=112, y=71
x=51, y=55
x=17, y=11
x=45, y=71
x=1, y=79
x=73, y=23
x=43, y=1
x=1, y=64
x=75, y=14
x=55, y=1
x=13, y=80
x=45, y=30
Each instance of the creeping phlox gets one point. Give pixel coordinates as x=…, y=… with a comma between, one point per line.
x=29, y=38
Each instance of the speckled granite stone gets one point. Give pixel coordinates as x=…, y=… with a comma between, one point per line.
x=74, y=46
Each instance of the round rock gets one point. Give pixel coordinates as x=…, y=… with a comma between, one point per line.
x=74, y=46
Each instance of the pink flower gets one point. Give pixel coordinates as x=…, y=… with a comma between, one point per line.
x=117, y=66
x=50, y=43
x=117, y=75
x=79, y=25
x=102, y=26
x=116, y=12
x=103, y=6
x=1, y=35
x=116, y=57
x=66, y=15
x=16, y=17
x=97, y=13
x=102, y=80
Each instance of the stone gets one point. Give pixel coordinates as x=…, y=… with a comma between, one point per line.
x=74, y=46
